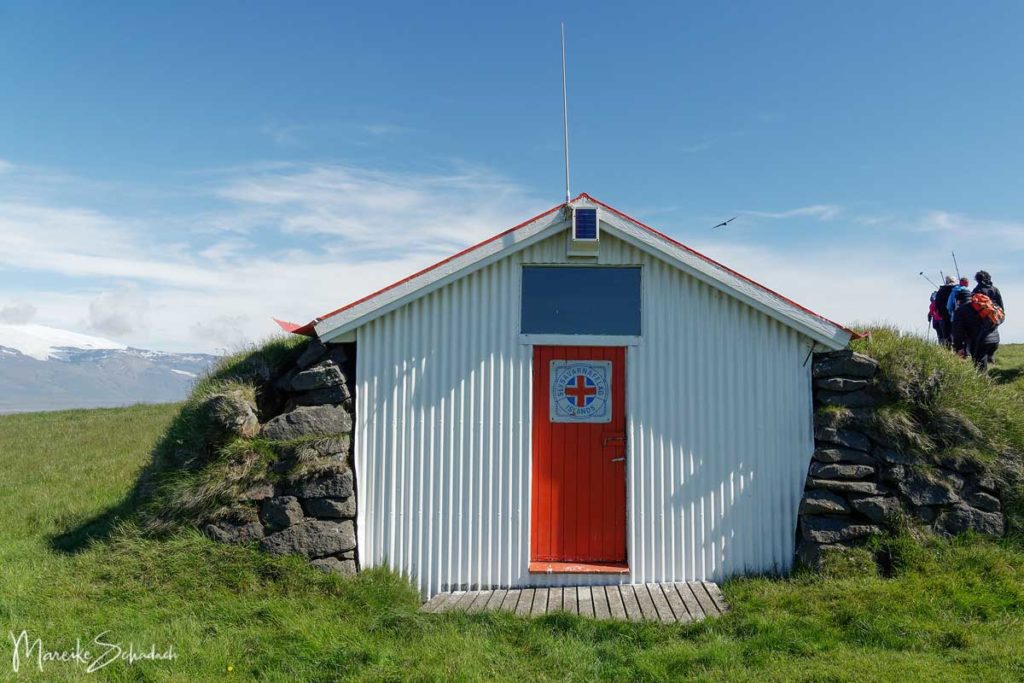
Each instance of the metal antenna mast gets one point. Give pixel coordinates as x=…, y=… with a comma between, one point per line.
x=565, y=118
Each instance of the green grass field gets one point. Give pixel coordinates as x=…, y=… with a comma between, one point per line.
x=70, y=569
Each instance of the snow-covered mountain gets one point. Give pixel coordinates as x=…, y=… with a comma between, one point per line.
x=45, y=368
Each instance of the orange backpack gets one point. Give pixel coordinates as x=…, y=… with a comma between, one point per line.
x=987, y=309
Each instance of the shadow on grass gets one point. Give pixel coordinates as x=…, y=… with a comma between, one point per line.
x=189, y=443
x=1006, y=375
x=98, y=528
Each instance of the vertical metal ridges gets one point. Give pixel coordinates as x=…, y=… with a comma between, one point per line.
x=719, y=433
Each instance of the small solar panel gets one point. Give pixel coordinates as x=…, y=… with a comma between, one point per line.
x=585, y=224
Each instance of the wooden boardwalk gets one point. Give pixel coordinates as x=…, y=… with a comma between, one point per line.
x=663, y=602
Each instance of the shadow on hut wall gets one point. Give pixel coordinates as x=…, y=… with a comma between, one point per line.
x=713, y=513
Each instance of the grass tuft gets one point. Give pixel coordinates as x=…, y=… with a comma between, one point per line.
x=940, y=400
x=942, y=409
x=195, y=473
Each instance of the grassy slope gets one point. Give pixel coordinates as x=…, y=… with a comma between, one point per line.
x=952, y=612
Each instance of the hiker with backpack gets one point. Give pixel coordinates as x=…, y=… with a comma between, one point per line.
x=946, y=321
x=976, y=327
x=951, y=302
x=986, y=287
x=936, y=319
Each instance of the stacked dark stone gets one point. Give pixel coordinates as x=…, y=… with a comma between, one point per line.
x=860, y=483
x=310, y=509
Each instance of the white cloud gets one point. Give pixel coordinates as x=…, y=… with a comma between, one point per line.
x=120, y=312
x=18, y=313
x=6, y=166
x=1005, y=234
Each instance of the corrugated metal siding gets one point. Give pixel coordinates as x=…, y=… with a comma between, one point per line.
x=719, y=433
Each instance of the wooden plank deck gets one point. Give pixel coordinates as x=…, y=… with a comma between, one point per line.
x=662, y=602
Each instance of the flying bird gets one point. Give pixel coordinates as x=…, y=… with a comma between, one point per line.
x=725, y=223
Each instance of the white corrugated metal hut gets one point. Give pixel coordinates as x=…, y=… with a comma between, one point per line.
x=579, y=400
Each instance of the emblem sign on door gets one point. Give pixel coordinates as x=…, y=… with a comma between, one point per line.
x=581, y=391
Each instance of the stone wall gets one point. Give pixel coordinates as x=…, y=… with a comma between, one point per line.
x=860, y=483
x=306, y=505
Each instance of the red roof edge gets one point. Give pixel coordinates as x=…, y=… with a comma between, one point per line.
x=309, y=328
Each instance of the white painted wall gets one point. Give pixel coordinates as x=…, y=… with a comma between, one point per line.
x=719, y=432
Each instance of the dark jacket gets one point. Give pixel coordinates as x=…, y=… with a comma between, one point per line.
x=941, y=298
x=970, y=330
x=992, y=292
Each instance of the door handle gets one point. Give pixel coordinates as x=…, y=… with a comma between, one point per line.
x=618, y=459
x=615, y=440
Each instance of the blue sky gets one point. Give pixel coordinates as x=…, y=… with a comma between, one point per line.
x=173, y=174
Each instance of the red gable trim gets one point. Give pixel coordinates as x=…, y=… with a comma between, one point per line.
x=292, y=328
x=308, y=328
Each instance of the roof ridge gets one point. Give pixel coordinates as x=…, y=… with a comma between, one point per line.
x=309, y=328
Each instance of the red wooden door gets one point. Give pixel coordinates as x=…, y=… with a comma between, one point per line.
x=579, y=447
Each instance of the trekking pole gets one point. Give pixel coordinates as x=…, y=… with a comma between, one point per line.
x=956, y=265
x=929, y=280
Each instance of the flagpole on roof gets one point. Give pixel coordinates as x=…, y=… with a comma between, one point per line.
x=565, y=118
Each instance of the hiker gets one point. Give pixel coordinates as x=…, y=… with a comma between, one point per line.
x=941, y=299
x=951, y=302
x=986, y=287
x=936, y=319
x=976, y=328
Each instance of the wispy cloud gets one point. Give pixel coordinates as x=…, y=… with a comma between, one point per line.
x=701, y=146
x=707, y=142
x=384, y=129
x=282, y=135
x=825, y=212
x=375, y=210
x=294, y=135
x=1006, y=234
